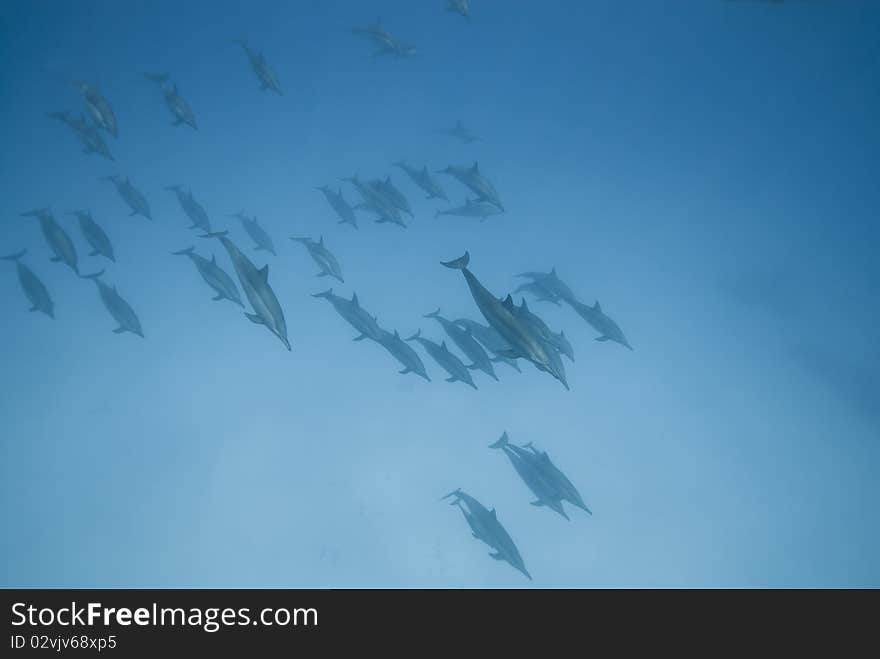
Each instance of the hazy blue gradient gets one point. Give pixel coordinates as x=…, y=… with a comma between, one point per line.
x=707, y=170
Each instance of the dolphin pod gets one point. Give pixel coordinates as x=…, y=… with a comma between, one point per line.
x=34, y=289
x=255, y=283
x=485, y=527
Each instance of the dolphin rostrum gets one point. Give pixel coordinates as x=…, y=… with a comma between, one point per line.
x=34, y=289
x=255, y=283
x=215, y=276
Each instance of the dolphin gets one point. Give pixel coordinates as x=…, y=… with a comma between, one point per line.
x=403, y=353
x=34, y=289
x=255, y=283
x=193, y=209
x=423, y=179
x=458, y=372
x=386, y=44
x=502, y=315
x=99, y=108
x=460, y=7
x=537, y=290
x=532, y=475
x=323, y=257
x=94, y=235
x=356, y=316
x=215, y=276
x=394, y=196
x=59, y=242
x=491, y=340
x=602, y=323
x=467, y=344
x=472, y=178
x=338, y=203
x=267, y=77
x=133, y=197
x=567, y=491
x=459, y=132
x=559, y=342
x=550, y=282
x=472, y=208
x=117, y=306
x=486, y=527
x=376, y=202
x=262, y=240
x=176, y=103
x=86, y=132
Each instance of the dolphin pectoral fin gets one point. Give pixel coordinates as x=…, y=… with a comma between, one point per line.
x=496, y=555
x=537, y=503
x=119, y=330
x=322, y=274
x=360, y=338
x=452, y=379
x=55, y=259
x=254, y=318
x=405, y=371
x=217, y=297
x=602, y=338
x=473, y=367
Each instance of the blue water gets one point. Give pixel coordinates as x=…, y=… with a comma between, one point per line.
x=705, y=169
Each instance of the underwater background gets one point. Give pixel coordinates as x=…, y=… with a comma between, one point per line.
x=707, y=170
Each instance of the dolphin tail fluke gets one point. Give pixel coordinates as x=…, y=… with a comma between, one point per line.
x=94, y=275
x=184, y=252
x=433, y=314
x=214, y=234
x=14, y=257
x=504, y=440
x=414, y=336
x=326, y=293
x=461, y=263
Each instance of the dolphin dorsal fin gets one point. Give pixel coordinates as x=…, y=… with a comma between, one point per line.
x=354, y=300
x=596, y=306
x=396, y=335
x=493, y=513
x=213, y=259
x=476, y=168
x=321, y=241
x=524, y=306
x=508, y=301
x=553, y=271
x=443, y=346
x=264, y=273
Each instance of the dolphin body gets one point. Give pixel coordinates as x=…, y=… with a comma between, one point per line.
x=538, y=291
x=94, y=235
x=385, y=43
x=550, y=282
x=460, y=7
x=356, y=316
x=459, y=132
x=486, y=527
x=215, y=276
x=117, y=306
x=323, y=257
x=265, y=74
x=491, y=340
x=607, y=328
x=524, y=342
x=59, y=242
x=527, y=466
x=472, y=178
x=404, y=353
x=423, y=179
x=193, y=209
x=176, y=103
x=467, y=344
x=339, y=205
x=34, y=289
x=472, y=208
x=564, y=487
x=559, y=342
x=133, y=197
x=86, y=132
x=458, y=372
x=255, y=283
x=392, y=194
x=99, y=108
x=262, y=240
